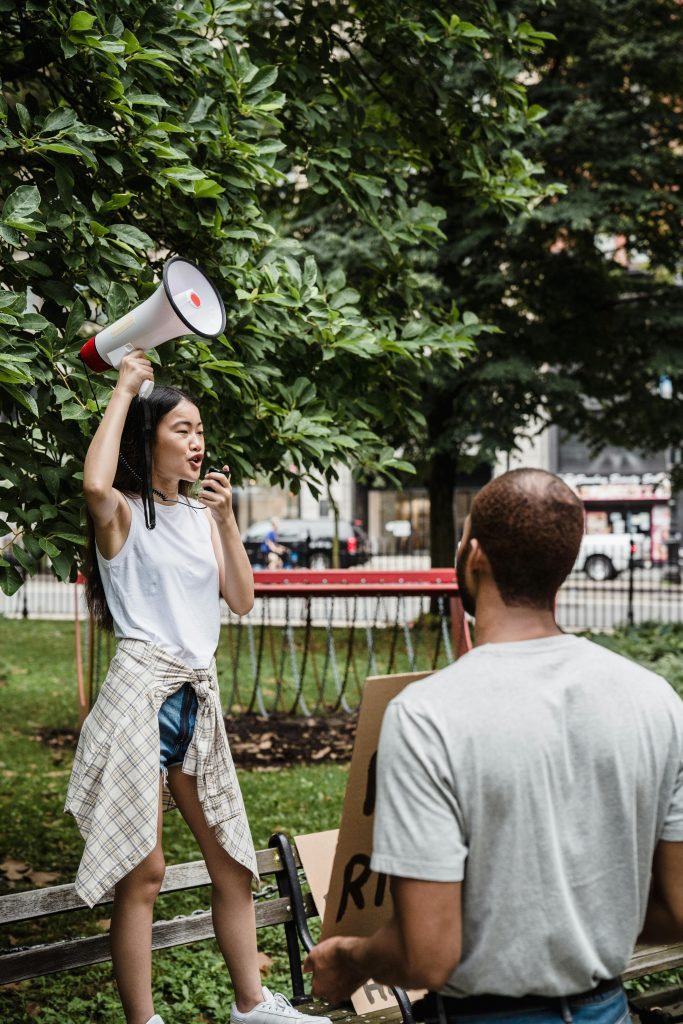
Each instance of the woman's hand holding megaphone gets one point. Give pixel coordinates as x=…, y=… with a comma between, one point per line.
x=136, y=374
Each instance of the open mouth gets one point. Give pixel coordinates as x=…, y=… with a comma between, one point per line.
x=196, y=461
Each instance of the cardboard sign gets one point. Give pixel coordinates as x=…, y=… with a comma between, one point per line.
x=316, y=852
x=355, y=900
x=359, y=901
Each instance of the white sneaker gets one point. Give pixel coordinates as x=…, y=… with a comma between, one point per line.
x=156, y=1019
x=275, y=1009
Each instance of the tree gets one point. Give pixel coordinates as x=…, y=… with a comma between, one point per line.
x=130, y=131
x=584, y=338
x=386, y=89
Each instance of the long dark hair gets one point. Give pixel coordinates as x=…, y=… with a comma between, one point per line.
x=128, y=478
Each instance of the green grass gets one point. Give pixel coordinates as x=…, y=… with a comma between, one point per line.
x=659, y=646
x=38, y=690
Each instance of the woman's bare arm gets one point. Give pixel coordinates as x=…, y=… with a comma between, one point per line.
x=105, y=504
x=234, y=569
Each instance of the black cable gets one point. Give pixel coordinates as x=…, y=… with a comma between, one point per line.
x=87, y=374
x=160, y=494
x=147, y=496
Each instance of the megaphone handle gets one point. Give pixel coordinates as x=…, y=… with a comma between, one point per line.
x=146, y=388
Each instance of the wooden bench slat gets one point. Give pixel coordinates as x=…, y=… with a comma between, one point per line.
x=653, y=959
x=342, y=1014
x=69, y=953
x=21, y=906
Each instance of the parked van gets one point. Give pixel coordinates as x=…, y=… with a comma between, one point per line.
x=602, y=556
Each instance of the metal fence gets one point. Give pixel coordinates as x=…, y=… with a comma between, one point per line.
x=637, y=593
x=313, y=638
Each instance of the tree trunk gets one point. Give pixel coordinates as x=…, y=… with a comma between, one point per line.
x=441, y=521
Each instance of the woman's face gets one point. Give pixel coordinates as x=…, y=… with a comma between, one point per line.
x=179, y=443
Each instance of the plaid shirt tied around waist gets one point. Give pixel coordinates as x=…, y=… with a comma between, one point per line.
x=114, y=788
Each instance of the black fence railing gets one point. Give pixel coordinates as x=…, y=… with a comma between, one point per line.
x=599, y=595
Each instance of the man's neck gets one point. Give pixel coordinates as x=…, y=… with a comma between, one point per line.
x=499, y=623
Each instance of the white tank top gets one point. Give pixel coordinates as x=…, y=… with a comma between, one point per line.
x=163, y=584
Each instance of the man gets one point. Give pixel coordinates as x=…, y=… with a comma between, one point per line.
x=270, y=547
x=526, y=795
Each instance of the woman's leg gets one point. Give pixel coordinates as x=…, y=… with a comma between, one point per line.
x=131, y=932
x=232, y=906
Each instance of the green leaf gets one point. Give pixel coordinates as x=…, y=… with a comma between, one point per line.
x=24, y=118
x=21, y=203
x=132, y=235
x=261, y=81
x=346, y=297
x=74, y=411
x=117, y=201
x=50, y=549
x=58, y=120
x=141, y=99
x=207, y=189
x=10, y=581
x=75, y=321
x=34, y=322
x=25, y=560
x=73, y=538
x=118, y=302
x=81, y=21
x=22, y=398
x=373, y=186
x=62, y=566
x=51, y=477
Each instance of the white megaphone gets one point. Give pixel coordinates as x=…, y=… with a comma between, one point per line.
x=186, y=302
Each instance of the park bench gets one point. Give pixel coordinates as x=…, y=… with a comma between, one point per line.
x=291, y=908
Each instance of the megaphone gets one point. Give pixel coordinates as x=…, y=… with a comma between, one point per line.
x=186, y=302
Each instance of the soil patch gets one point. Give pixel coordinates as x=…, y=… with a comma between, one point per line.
x=277, y=741
x=265, y=743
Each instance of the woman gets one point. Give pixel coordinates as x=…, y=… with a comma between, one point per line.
x=156, y=737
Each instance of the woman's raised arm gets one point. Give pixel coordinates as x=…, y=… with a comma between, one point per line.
x=102, y=458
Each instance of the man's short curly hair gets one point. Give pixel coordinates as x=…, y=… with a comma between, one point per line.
x=529, y=524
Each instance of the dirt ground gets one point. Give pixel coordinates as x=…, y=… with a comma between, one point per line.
x=258, y=742
x=267, y=743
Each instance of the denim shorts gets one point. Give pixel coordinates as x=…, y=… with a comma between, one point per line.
x=177, y=717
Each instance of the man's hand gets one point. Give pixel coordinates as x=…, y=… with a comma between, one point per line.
x=334, y=975
x=419, y=947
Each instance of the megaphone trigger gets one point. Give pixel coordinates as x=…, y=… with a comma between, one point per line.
x=186, y=302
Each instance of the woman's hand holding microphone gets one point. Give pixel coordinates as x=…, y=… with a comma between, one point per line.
x=216, y=493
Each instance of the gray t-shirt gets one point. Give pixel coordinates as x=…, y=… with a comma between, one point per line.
x=541, y=774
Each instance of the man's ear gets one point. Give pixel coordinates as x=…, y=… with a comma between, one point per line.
x=478, y=560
